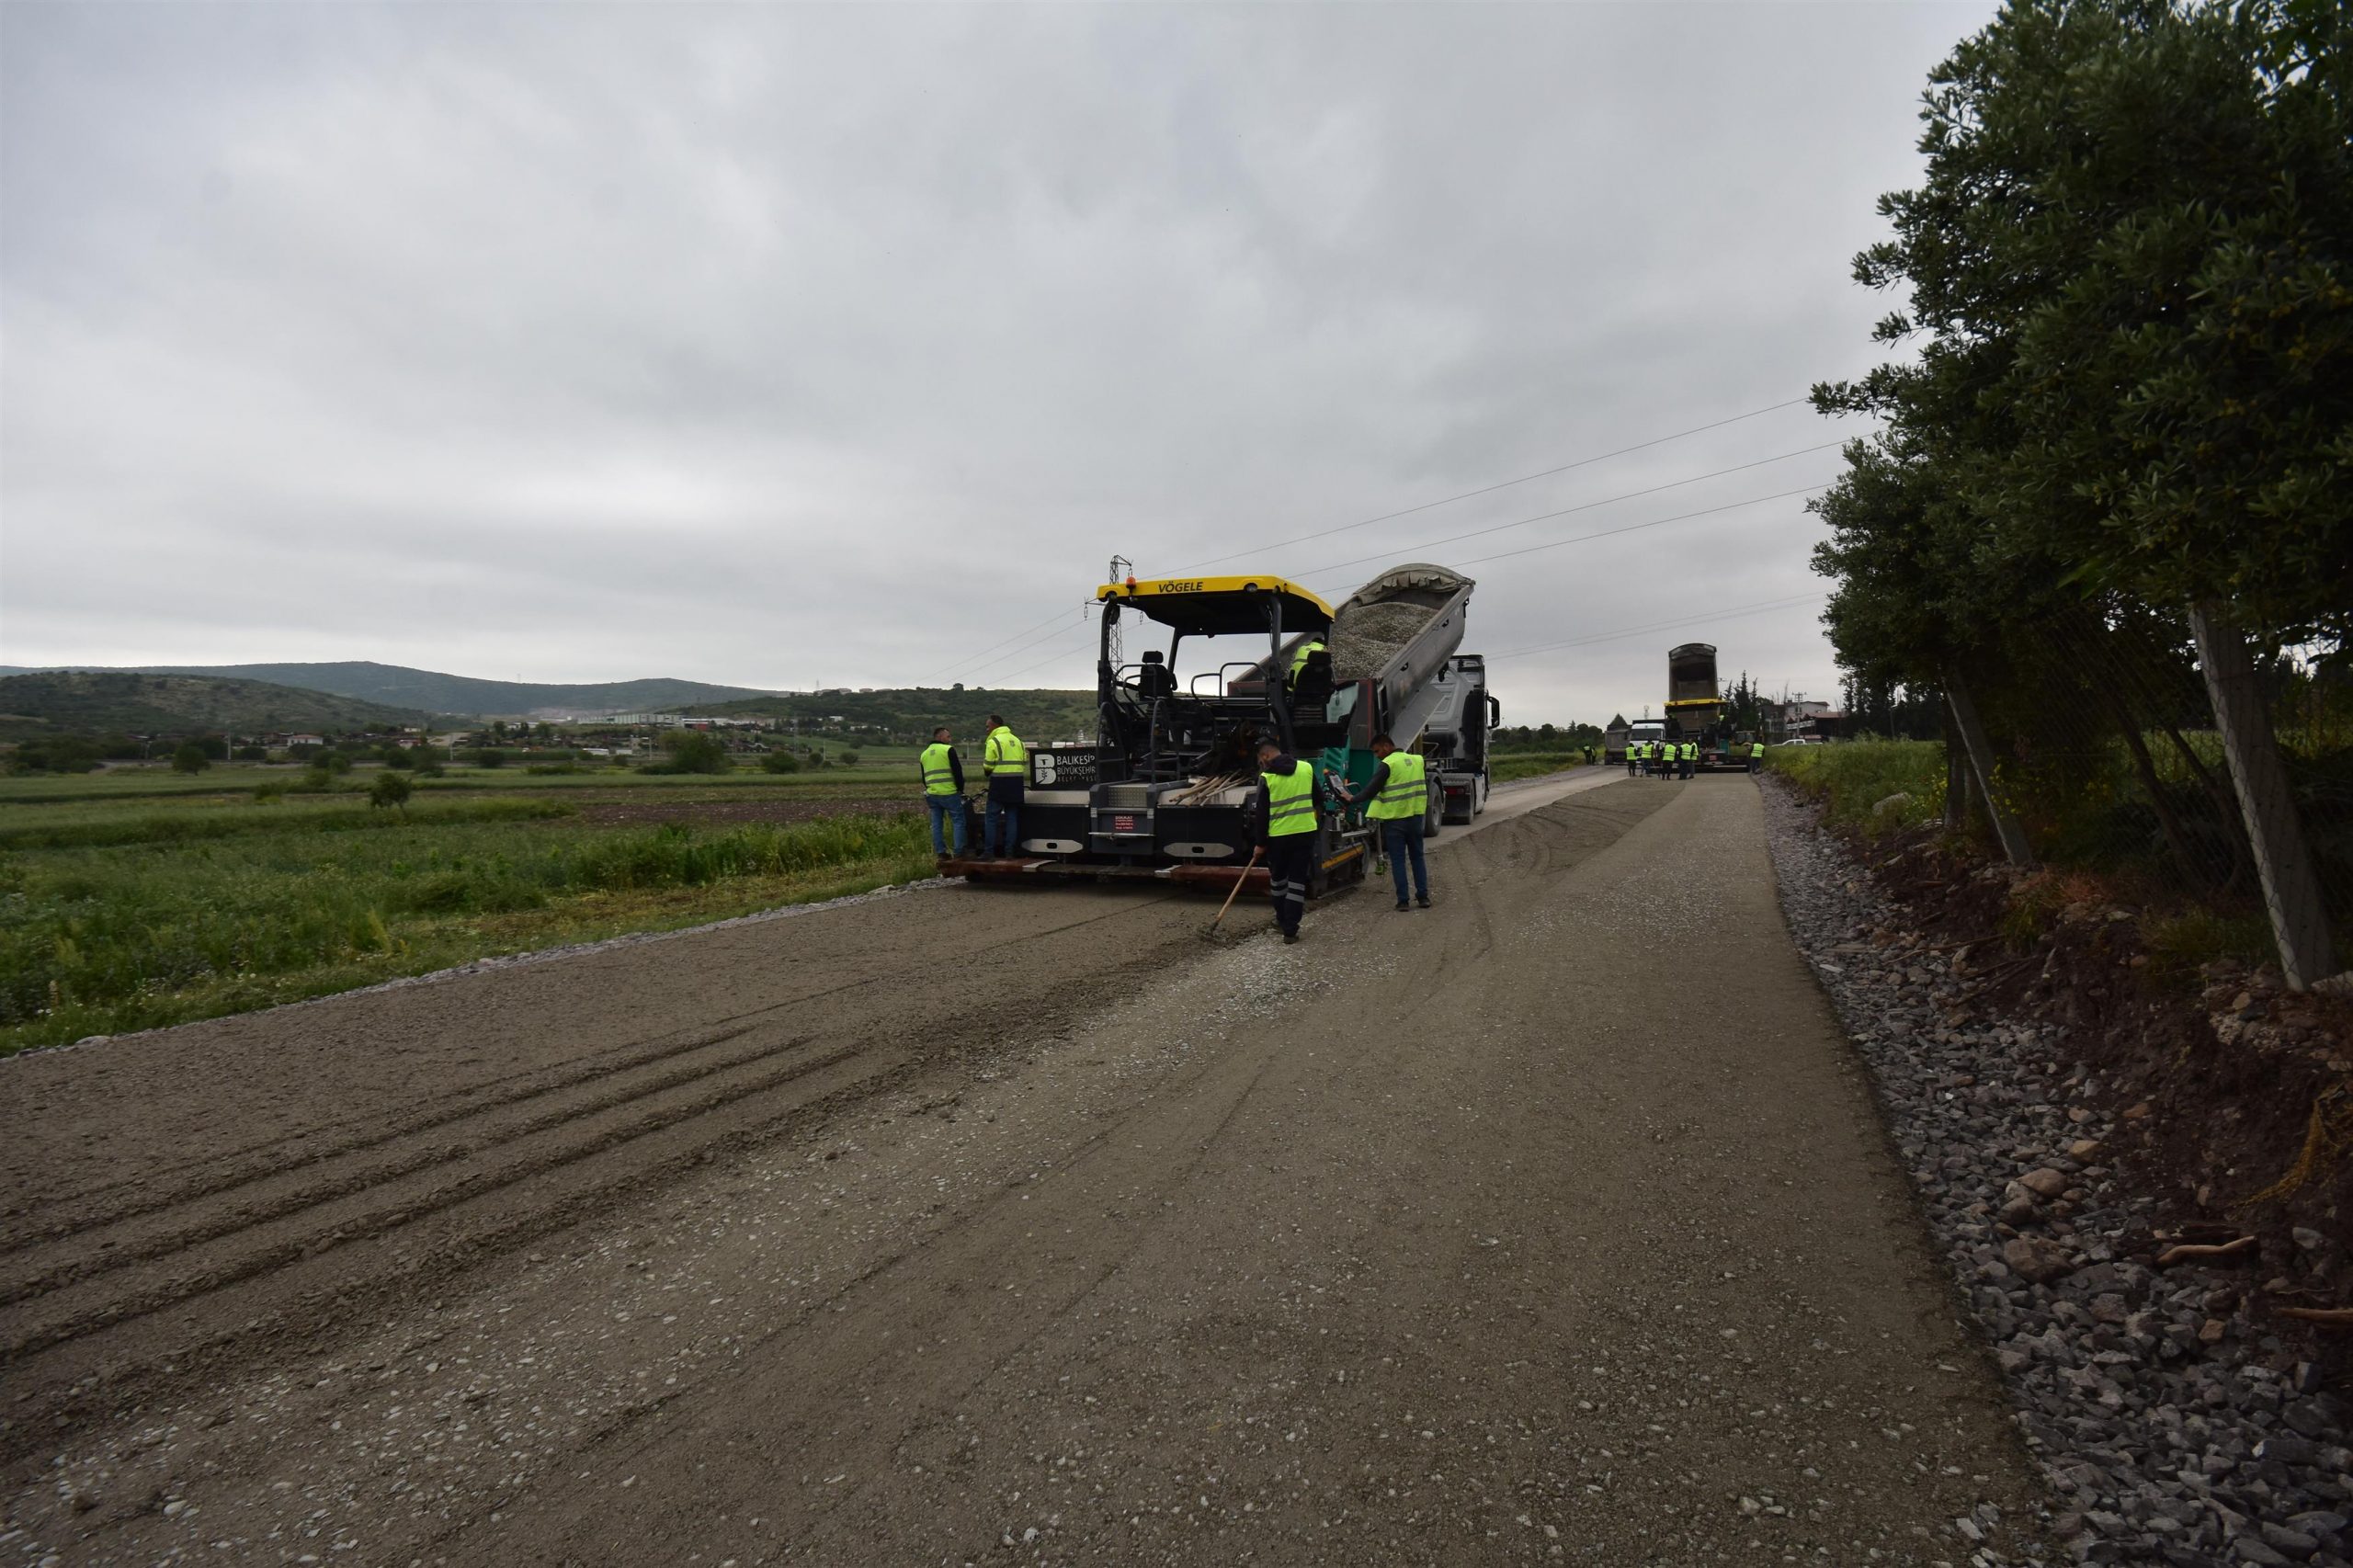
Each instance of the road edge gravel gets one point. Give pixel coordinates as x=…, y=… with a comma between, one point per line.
x=2149, y=1399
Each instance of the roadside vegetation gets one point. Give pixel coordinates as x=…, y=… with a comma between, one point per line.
x=136, y=913
x=1874, y=785
x=1503, y=767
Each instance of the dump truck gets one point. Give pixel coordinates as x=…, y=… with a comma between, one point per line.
x=1168, y=788
x=1695, y=709
x=1456, y=738
x=1617, y=738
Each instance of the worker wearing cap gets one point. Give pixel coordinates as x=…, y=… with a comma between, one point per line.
x=1290, y=798
x=1399, y=790
x=1755, y=755
x=943, y=791
x=1006, y=763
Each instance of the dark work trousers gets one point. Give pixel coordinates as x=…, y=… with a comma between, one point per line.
x=1630, y=765
x=1290, y=861
x=1402, y=838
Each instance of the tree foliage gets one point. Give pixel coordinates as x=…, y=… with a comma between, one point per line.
x=2130, y=263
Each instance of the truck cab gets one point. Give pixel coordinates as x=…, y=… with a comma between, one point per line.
x=1456, y=738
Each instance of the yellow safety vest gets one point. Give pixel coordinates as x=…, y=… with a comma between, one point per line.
x=939, y=778
x=1690, y=751
x=1299, y=657
x=1003, y=756
x=1756, y=748
x=1405, y=795
x=1290, y=801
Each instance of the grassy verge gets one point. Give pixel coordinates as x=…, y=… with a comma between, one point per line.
x=1855, y=779
x=1504, y=767
x=105, y=935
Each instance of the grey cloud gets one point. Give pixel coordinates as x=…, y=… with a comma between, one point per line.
x=777, y=344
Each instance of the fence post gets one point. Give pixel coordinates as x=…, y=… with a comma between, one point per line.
x=1981, y=767
x=2290, y=887
x=1956, y=771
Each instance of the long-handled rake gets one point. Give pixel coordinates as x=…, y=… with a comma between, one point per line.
x=1235, y=889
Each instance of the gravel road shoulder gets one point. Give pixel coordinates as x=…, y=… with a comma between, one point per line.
x=2173, y=1428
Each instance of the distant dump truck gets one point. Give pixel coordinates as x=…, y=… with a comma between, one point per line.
x=1695, y=707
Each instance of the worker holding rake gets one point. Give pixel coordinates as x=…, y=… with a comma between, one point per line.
x=1290, y=800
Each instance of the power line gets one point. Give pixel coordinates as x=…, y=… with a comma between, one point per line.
x=1733, y=613
x=966, y=660
x=1505, y=484
x=1010, y=653
x=1607, y=533
x=1058, y=653
x=1571, y=511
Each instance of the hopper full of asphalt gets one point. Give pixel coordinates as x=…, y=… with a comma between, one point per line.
x=1366, y=637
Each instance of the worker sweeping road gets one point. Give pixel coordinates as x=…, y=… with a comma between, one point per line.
x=943, y=791
x=1290, y=801
x=1399, y=791
x=1004, y=761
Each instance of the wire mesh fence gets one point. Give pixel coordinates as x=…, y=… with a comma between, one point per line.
x=2105, y=753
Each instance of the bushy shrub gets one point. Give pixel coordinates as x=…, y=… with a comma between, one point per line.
x=780, y=762
x=486, y=757
x=190, y=758
x=390, y=789
x=692, y=751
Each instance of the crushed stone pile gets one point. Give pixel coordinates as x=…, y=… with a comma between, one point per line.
x=1366, y=638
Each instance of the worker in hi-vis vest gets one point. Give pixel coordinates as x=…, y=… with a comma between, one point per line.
x=1290, y=798
x=1633, y=758
x=1755, y=755
x=1690, y=758
x=1399, y=791
x=1298, y=659
x=943, y=791
x=1006, y=763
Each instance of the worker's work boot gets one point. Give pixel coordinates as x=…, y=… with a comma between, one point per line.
x=1403, y=906
x=1423, y=901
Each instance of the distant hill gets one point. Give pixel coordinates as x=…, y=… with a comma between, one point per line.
x=123, y=703
x=1035, y=715
x=400, y=687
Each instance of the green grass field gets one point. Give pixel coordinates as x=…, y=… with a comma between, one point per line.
x=1503, y=767
x=881, y=772
x=130, y=909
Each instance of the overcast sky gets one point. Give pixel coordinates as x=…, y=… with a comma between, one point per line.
x=787, y=345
